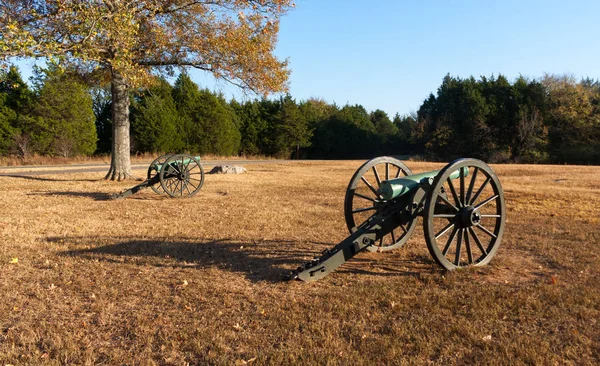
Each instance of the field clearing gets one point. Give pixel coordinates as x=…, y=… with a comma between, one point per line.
x=156, y=281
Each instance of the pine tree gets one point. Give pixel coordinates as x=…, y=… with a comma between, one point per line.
x=156, y=121
x=63, y=114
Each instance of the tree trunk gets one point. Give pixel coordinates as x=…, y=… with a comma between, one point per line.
x=120, y=163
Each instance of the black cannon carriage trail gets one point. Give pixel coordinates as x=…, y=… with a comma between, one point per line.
x=178, y=175
x=462, y=206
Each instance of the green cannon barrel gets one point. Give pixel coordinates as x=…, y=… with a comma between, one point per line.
x=158, y=167
x=390, y=189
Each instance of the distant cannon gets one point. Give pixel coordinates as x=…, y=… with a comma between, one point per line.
x=462, y=207
x=178, y=175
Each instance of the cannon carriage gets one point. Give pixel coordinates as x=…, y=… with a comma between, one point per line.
x=177, y=175
x=462, y=206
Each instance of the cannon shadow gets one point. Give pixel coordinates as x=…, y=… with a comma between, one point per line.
x=257, y=261
x=263, y=260
x=97, y=196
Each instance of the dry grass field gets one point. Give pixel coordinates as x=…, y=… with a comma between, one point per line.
x=156, y=281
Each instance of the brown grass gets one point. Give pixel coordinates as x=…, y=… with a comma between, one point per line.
x=157, y=281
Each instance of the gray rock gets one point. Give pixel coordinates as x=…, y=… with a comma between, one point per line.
x=227, y=169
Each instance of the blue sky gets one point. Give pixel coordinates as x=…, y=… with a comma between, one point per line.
x=391, y=54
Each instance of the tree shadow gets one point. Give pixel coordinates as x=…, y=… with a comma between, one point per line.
x=41, y=179
x=263, y=260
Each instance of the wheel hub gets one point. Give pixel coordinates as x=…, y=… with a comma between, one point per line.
x=468, y=216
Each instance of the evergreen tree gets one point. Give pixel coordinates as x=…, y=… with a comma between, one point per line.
x=217, y=129
x=292, y=129
x=156, y=121
x=18, y=95
x=348, y=133
x=382, y=123
x=17, y=104
x=7, y=120
x=253, y=129
x=186, y=95
x=64, y=118
x=208, y=124
x=102, y=106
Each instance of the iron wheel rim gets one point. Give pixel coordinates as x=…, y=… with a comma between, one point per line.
x=183, y=176
x=152, y=172
x=362, y=189
x=464, y=225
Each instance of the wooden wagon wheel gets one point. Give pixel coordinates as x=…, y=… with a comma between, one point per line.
x=153, y=171
x=464, y=217
x=362, y=200
x=182, y=175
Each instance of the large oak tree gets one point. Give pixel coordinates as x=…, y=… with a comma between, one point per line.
x=123, y=41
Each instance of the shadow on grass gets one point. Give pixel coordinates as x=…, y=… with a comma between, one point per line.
x=28, y=177
x=390, y=267
x=259, y=261
x=265, y=260
x=98, y=196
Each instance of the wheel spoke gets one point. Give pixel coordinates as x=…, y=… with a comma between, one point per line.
x=393, y=237
x=188, y=164
x=170, y=185
x=461, y=172
x=482, y=228
x=377, y=176
x=458, y=245
x=445, y=216
x=370, y=186
x=496, y=216
x=474, y=199
x=363, y=209
x=468, y=247
x=403, y=228
x=448, y=202
x=444, y=230
x=173, y=186
x=449, y=242
x=364, y=197
x=485, y=202
x=471, y=185
x=474, y=234
x=387, y=171
x=398, y=172
x=193, y=186
x=458, y=203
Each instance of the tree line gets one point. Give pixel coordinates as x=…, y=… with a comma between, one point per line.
x=555, y=119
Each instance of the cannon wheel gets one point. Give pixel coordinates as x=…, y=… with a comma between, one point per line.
x=182, y=175
x=464, y=217
x=361, y=199
x=152, y=172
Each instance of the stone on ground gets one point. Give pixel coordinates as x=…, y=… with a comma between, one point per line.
x=227, y=169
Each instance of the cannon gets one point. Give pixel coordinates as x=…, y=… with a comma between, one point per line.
x=462, y=206
x=177, y=175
